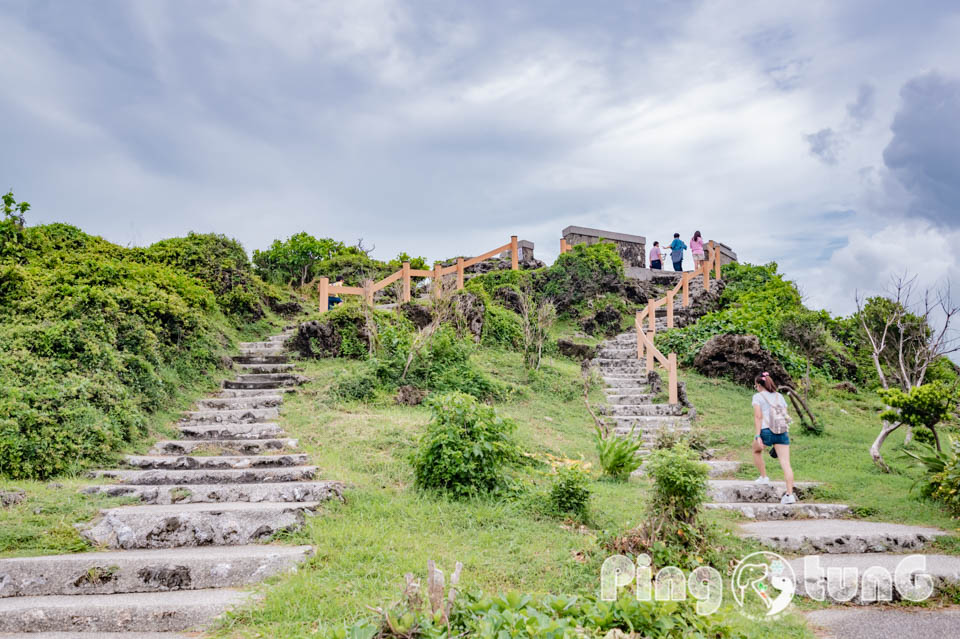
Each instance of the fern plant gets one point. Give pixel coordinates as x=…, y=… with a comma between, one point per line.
x=618, y=455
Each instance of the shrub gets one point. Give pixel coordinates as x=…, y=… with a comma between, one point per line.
x=295, y=260
x=679, y=482
x=502, y=328
x=618, y=455
x=570, y=491
x=941, y=479
x=466, y=448
x=923, y=406
x=360, y=385
x=582, y=274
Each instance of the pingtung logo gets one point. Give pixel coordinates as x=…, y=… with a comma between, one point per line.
x=763, y=585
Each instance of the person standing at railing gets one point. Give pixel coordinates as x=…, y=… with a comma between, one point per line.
x=333, y=300
x=696, y=249
x=677, y=247
x=656, y=259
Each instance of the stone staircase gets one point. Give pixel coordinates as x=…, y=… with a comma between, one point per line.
x=208, y=500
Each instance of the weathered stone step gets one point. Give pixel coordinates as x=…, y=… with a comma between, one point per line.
x=772, y=511
x=131, y=612
x=107, y=573
x=281, y=378
x=647, y=434
x=720, y=467
x=243, y=385
x=640, y=397
x=217, y=493
x=260, y=359
x=231, y=431
x=943, y=571
x=640, y=409
x=265, y=368
x=230, y=416
x=221, y=446
x=180, y=525
x=646, y=422
x=833, y=536
x=744, y=490
x=617, y=353
x=189, y=462
x=262, y=352
x=256, y=346
x=248, y=393
x=208, y=476
x=239, y=403
x=615, y=364
x=636, y=381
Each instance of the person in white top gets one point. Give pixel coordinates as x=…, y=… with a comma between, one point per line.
x=770, y=425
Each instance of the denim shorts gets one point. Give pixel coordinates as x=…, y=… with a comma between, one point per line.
x=769, y=438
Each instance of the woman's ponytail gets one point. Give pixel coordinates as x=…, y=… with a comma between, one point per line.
x=764, y=380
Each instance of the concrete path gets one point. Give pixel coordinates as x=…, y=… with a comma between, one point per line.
x=209, y=499
x=889, y=623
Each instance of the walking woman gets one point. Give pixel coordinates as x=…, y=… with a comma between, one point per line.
x=696, y=248
x=770, y=424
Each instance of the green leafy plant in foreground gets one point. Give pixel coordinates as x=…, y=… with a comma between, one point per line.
x=466, y=448
x=941, y=479
x=570, y=491
x=618, y=455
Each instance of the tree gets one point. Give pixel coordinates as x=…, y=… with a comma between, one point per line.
x=11, y=227
x=904, y=341
x=296, y=257
x=922, y=406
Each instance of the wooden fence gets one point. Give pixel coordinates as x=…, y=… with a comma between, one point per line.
x=405, y=273
x=645, y=348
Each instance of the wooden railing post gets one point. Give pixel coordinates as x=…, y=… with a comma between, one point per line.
x=437, y=277
x=652, y=312
x=706, y=275
x=368, y=291
x=715, y=254
x=514, y=258
x=459, y=273
x=405, y=296
x=324, y=289
x=672, y=378
x=669, y=309
x=686, y=290
x=638, y=322
x=563, y=246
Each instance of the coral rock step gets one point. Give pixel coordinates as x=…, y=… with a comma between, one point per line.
x=773, y=511
x=208, y=476
x=187, y=462
x=626, y=382
x=626, y=398
x=256, y=346
x=293, y=491
x=283, y=378
x=239, y=393
x=744, y=490
x=238, y=403
x=108, y=573
x=264, y=368
x=831, y=536
x=231, y=431
x=260, y=359
x=645, y=410
x=179, y=525
x=243, y=385
x=944, y=571
x=231, y=446
x=228, y=416
x=131, y=612
x=720, y=467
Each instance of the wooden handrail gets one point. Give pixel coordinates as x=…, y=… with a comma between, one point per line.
x=405, y=273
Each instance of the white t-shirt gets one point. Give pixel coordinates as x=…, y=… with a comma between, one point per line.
x=774, y=399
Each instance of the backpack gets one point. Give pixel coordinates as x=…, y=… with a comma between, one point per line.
x=779, y=418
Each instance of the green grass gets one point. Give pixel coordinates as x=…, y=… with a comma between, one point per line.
x=386, y=528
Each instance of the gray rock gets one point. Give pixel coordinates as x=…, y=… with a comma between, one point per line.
x=812, y=536
x=136, y=612
x=105, y=573
x=187, y=462
x=217, y=493
x=233, y=446
x=208, y=476
x=11, y=497
x=743, y=490
x=179, y=525
x=620, y=398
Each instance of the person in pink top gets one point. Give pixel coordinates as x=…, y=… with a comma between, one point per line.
x=696, y=248
x=656, y=260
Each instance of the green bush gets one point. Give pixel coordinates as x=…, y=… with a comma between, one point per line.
x=295, y=260
x=923, y=406
x=359, y=385
x=679, y=482
x=502, y=328
x=618, y=455
x=466, y=448
x=570, y=492
x=581, y=274
x=940, y=480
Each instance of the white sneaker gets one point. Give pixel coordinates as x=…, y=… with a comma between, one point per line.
x=788, y=499
x=762, y=480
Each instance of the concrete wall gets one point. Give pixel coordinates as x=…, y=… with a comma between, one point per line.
x=632, y=248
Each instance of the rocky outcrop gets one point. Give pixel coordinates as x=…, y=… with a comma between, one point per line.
x=738, y=357
x=571, y=349
x=410, y=395
x=325, y=338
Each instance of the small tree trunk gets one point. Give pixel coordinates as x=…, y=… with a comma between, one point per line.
x=878, y=442
x=936, y=438
x=909, y=436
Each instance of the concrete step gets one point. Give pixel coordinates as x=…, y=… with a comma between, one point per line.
x=108, y=573
x=217, y=493
x=645, y=410
x=231, y=431
x=744, y=490
x=649, y=422
x=720, y=467
x=230, y=416
x=221, y=446
x=287, y=379
x=181, y=525
x=901, y=622
x=636, y=381
x=240, y=403
x=260, y=359
x=638, y=398
x=771, y=511
x=263, y=352
x=614, y=364
x=188, y=462
x=244, y=385
x=256, y=346
x=264, y=368
x=208, y=476
x=618, y=353
x=240, y=393
x=942, y=570
x=832, y=536
x=132, y=612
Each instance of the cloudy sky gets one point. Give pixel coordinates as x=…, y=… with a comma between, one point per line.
x=822, y=135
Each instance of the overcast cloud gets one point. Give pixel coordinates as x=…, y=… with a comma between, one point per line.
x=822, y=135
